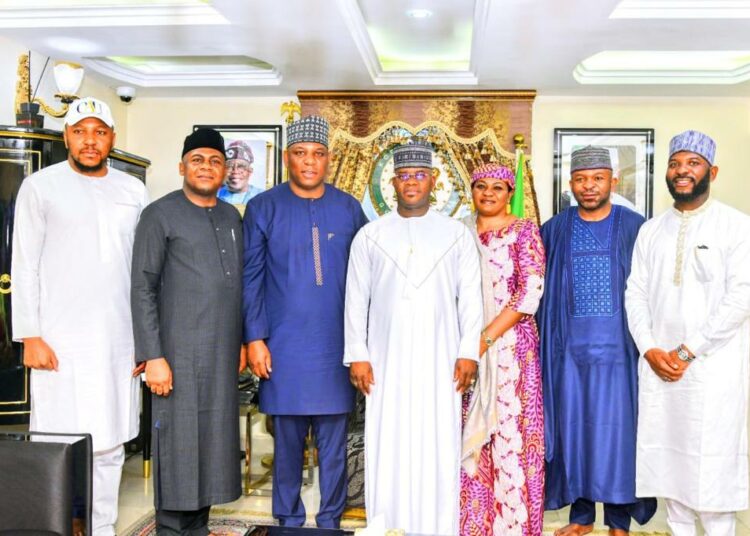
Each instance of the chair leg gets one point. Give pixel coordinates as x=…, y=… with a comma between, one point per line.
x=310, y=450
x=248, y=448
x=146, y=429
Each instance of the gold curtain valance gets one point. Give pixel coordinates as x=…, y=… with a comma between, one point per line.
x=465, y=127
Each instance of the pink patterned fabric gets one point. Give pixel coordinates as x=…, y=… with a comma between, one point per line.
x=494, y=171
x=506, y=496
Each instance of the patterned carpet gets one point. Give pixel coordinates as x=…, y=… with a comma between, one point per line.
x=236, y=522
x=218, y=524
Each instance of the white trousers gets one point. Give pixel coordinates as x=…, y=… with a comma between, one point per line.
x=681, y=521
x=106, y=488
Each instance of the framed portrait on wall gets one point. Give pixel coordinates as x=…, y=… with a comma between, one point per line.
x=632, y=154
x=253, y=161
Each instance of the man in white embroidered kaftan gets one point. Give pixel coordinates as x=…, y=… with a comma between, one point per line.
x=688, y=305
x=412, y=330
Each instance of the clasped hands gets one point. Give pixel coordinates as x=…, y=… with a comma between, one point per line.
x=362, y=377
x=667, y=365
x=159, y=373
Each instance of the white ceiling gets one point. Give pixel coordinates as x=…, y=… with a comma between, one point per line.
x=325, y=44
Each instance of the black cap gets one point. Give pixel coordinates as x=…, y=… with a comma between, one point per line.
x=204, y=137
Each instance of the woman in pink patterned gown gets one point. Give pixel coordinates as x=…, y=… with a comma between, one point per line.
x=502, y=474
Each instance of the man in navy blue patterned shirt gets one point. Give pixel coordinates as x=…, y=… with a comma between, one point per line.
x=297, y=239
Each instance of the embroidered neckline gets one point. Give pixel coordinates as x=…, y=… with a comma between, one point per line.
x=685, y=217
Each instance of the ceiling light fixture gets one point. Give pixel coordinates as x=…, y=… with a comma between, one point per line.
x=419, y=13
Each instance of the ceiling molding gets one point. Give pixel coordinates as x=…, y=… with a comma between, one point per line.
x=481, y=16
x=197, y=78
x=426, y=78
x=112, y=15
x=681, y=9
x=356, y=23
x=661, y=77
x=463, y=94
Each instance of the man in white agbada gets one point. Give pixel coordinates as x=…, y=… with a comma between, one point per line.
x=413, y=319
x=688, y=305
x=72, y=245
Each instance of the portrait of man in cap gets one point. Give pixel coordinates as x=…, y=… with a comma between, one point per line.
x=238, y=188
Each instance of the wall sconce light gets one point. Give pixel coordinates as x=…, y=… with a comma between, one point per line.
x=68, y=78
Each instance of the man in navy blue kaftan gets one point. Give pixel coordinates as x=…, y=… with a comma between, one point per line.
x=297, y=237
x=589, y=359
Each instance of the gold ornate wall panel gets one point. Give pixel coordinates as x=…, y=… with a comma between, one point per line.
x=465, y=128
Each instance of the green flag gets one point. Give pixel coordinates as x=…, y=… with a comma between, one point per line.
x=516, y=202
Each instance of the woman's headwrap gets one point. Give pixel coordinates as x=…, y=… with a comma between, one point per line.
x=494, y=171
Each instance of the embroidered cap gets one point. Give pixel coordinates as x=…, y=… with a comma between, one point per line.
x=89, y=107
x=494, y=171
x=694, y=142
x=590, y=157
x=239, y=150
x=412, y=155
x=203, y=138
x=310, y=129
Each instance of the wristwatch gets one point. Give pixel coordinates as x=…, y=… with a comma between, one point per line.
x=683, y=354
x=489, y=341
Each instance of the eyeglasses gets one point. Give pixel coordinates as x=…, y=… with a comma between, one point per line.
x=419, y=175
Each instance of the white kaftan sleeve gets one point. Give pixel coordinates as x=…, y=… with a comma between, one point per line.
x=145, y=200
x=469, y=294
x=357, y=302
x=28, y=241
x=636, y=297
x=734, y=307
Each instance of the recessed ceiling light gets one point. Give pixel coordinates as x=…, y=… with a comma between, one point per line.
x=419, y=13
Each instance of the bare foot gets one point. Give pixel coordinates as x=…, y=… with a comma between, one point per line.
x=618, y=532
x=574, y=529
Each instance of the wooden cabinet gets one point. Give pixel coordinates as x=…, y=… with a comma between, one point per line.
x=22, y=152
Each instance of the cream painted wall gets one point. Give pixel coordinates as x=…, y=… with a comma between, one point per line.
x=9, y=52
x=727, y=120
x=159, y=126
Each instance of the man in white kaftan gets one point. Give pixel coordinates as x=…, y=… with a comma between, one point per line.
x=412, y=323
x=72, y=245
x=688, y=305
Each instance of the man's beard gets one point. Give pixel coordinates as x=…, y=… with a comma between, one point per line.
x=699, y=189
x=83, y=168
x=602, y=202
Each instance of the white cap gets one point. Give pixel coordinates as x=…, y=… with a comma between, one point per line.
x=89, y=107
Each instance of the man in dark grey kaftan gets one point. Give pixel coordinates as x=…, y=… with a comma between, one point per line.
x=186, y=300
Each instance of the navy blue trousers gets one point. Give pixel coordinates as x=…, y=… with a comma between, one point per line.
x=616, y=516
x=289, y=446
